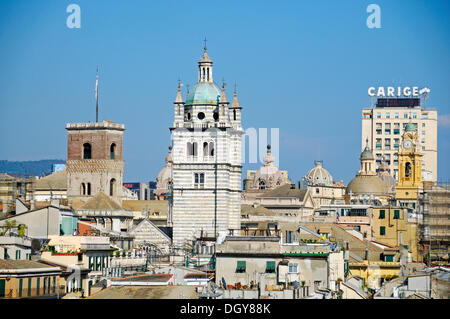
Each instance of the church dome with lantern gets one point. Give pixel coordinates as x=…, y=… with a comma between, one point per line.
x=268, y=176
x=319, y=175
x=367, y=184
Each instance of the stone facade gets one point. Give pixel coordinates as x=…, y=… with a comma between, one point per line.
x=94, y=159
x=147, y=233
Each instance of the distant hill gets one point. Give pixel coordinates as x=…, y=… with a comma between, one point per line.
x=27, y=168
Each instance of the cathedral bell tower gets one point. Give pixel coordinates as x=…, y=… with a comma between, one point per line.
x=410, y=165
x=206, y=166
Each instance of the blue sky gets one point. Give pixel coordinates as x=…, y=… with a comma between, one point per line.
x=301, y=66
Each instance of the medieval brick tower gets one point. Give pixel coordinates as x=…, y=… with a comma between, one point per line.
x=206, y=135
x=94, y=159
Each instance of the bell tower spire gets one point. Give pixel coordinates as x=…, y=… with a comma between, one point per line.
x=205, y=67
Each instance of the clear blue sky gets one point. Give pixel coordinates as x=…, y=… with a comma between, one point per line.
x=301, y=66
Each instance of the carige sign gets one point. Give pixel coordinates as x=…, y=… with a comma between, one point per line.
x=391, y=91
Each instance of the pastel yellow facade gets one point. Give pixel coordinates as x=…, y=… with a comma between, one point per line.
x=410, y=167
x=389, y=225
x=373, y=272
x=32, y=287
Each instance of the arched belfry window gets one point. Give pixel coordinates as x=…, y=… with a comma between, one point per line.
x=207, y=74
x=112, y=151
x=89, y=189
x=192, y=149
x=408, y=169
x=83, y=189
x=234, y=115
x=205, y=149
x=262, y=185
x=87, y=151
x=211, y=149
x=112, y=187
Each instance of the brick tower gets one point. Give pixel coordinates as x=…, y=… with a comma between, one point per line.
x=94, y=159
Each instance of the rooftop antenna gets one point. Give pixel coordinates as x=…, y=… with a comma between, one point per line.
x=96, y=97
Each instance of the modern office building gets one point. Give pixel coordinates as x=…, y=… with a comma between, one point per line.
x=384, y=125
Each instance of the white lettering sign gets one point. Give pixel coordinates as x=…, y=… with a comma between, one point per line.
x=391, y=91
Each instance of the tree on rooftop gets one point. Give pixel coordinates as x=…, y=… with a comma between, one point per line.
x=10, y=224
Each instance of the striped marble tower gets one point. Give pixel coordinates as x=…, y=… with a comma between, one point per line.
x=206, y=137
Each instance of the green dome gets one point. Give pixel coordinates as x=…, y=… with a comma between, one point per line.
x=203, y=93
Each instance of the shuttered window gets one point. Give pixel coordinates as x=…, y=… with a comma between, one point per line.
x=382, y=214
x=270, y=266
x=240, y=266
x=37, y=285
x=20, y=287
x=396, y=214
x=382, y=230
x=29, y=287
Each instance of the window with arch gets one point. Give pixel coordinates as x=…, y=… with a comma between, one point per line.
x=192, y=149
x=262, y=185
x=83, y=189
x=205, y=149
x=211, y=149
x=408, y=169
x=112, y=187
x=87, y=151
x=234, y=115
x=89, y=189
x=112, y=151
x=207, y=74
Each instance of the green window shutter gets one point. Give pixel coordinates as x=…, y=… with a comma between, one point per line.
x=37, y=285
x=382, y=230
x=270, y=266
x=29, y=287
x=2, y=288
x=54, y=284
x=389, y=258
x=382, y=214
x=240, y=266
x=396, y=214
x=45, y=286
x=20, y=287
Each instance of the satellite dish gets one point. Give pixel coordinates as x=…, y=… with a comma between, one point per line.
x=35, y=246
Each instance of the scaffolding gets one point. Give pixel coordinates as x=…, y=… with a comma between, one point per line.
x=435, y=227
